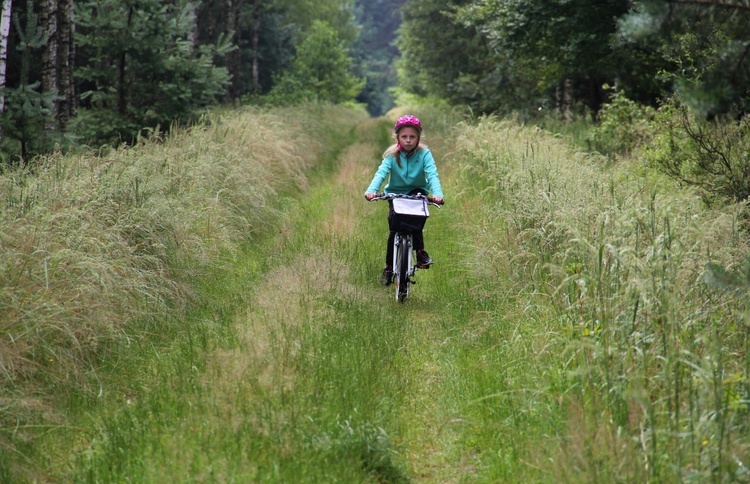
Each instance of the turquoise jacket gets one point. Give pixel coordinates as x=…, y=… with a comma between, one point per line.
x=417, y=170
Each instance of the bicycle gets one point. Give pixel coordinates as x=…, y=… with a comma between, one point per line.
x=410, y=213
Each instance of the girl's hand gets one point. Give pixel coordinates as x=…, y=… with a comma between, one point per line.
x=370, y=196
x=438, y=200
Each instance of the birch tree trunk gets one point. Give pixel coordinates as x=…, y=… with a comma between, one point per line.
x=4, y=31
x=49, y=58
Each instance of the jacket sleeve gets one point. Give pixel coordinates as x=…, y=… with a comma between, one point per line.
x=431, y=173
x=380, y=175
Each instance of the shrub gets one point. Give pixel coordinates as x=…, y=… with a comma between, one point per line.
x=623, y=125
x=709, y=154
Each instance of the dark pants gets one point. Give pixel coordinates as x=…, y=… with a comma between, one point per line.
x=417, y=237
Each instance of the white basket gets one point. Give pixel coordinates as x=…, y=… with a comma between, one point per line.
x=408, y=215
x=407, y=206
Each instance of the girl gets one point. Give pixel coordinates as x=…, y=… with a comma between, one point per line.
x=410, y=169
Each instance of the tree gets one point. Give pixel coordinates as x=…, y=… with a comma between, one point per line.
x=376, y=51
x=707, y=42
x=267, y=34
x=48, y=19
x=709, y=154
x=255, y=46
x=222, y=21
x=4, y=31
x=568, y=48
x=513, y=56
x=338, y=14
x=233, y=11
x=139, y=67
x=321, y=71
x=27, y=107
x=449, y=59
x=66, y=108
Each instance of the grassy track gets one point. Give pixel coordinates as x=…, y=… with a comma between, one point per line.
x=330, y=379
x=518, y=358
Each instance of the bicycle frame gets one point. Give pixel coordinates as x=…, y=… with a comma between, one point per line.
x=403, y=263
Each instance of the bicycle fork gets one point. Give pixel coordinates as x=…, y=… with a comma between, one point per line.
x=403, y=267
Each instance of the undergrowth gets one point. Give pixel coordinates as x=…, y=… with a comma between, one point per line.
x=101, y=253
x=620, y=268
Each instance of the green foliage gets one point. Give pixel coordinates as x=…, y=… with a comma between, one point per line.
x=31, y=36
x=709, y=154
x=705, y=45
x=622, y=125
x=537, y=46
x=505, y=55
x=26, y=112
x=444, y=58
x=376, y=52
x=27, y=109
x=551, y=32
x=132, y=83
x=338, y=14
x=321, y=71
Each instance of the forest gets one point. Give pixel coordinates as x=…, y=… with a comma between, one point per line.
x=189, y=271
x=105, y=71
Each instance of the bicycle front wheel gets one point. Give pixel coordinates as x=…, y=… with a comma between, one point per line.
x=401, y=268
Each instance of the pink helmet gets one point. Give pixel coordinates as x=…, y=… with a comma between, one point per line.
x=408, y=120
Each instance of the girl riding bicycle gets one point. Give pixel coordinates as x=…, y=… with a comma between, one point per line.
x=410, y=168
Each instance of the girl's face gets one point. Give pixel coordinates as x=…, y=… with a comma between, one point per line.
x=408, y=138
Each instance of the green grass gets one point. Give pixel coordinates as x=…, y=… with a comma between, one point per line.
x=103, y=255
x=571, y=330
x=612, y=264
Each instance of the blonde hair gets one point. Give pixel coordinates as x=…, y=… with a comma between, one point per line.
x=393, y=150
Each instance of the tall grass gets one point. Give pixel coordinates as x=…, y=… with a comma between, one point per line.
x=99, y=250
x=308, y=389
x=614, y=269
x=582, y=323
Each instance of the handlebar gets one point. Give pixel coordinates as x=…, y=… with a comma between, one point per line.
x=419, y=196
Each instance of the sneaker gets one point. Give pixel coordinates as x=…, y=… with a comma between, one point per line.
x=386, y=278
x=423, y=259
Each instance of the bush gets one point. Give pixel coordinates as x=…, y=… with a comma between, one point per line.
x=623, y=125
x=709, y=154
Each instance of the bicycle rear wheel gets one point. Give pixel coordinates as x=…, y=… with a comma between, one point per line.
x=401, y=268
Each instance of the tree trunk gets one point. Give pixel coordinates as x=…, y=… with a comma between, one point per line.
x=234, y=63
x=67, y=106
x=193, y=33
x=49, y=58
x=256, y=44
x=564, y=99
x=4, y=31
x=122, y=88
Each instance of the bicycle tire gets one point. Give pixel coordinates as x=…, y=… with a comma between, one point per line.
x=396, y=278
x=401, y=272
